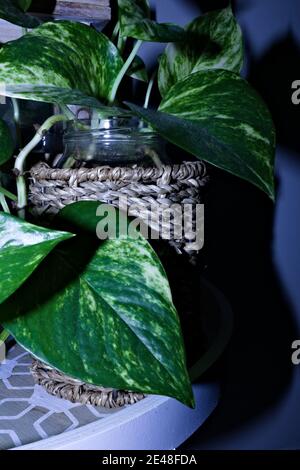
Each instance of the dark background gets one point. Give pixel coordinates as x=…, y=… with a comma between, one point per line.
x=252, y=246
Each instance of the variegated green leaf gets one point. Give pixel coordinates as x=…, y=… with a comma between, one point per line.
x=135, y=22
x=22, y=248
x=6, y=142
x=217, y=116
x=132, y=12
x=213, y=41
x=53, y=94
x=13, y=11
x=148, y=30
x=63, y=54
x=107, y=311
x=138, y=70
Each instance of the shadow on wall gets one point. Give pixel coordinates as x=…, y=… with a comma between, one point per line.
x=272, y=76
x=208, y=5
x=46, y=6
x=257, y=368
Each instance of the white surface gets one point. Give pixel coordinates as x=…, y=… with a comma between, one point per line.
x=156, y=423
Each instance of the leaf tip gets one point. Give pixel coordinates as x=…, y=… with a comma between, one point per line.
x=270, y=190
x=68, y=235
x=272, y=196
x=192, y=402
x=188, y=398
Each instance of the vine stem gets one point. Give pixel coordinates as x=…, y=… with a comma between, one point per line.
x=121, y=43
x=149, y=89
x=115, y=32
x=8, y=194
x=21, y=159
x=123, y=71
x=16, y=110
x=67, y=112
x=4, y=335
x=4, y=204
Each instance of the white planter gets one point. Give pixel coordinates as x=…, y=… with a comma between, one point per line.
x=154, y=423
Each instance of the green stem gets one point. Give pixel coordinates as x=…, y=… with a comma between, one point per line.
x=16, y=109
x=3, y=336
x=21, y=159
x=123, y=71
x=3, y=203
x=67, y=112
x=115, y=32
x=121, y=43
x=149, y=89
x=8, y=194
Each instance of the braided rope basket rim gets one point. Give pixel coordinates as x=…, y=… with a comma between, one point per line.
x=55, y=188
x=142, y=191
x=175, y=172
x=62, y=386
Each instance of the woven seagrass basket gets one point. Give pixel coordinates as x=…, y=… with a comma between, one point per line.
x=141, y=190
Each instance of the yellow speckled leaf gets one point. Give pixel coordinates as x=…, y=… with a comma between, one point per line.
x=107, y=311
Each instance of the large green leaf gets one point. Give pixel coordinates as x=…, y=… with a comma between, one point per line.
x=53, y=94
x=13, y=11
x=148, y=30
x=107, y=312
x=63, y=54
x=135, y=22
x=213, y=41
x=217, y=116
x=6, y=142
x=132, y=12
x=22, y=248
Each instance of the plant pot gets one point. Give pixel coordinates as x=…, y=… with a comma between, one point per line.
x=138, y=189
x=136, y=178
x=32, y=419
x=144, y=188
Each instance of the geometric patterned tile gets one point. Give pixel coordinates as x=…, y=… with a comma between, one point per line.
x=27, y=413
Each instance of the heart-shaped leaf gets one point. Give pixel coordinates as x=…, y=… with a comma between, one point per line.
x=135, y=22
x=22, y=247
x=6, y=143
x=217, y=116
x=213, y=41
x=107, y=312
x=138, y=70
x=63, y=54
x=13, y=11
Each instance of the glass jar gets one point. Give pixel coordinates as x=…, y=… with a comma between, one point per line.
x=121, y=141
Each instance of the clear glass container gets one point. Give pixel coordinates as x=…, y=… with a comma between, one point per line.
x=121, y=141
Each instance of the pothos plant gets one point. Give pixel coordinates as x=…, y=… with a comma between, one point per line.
x=104, y=312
